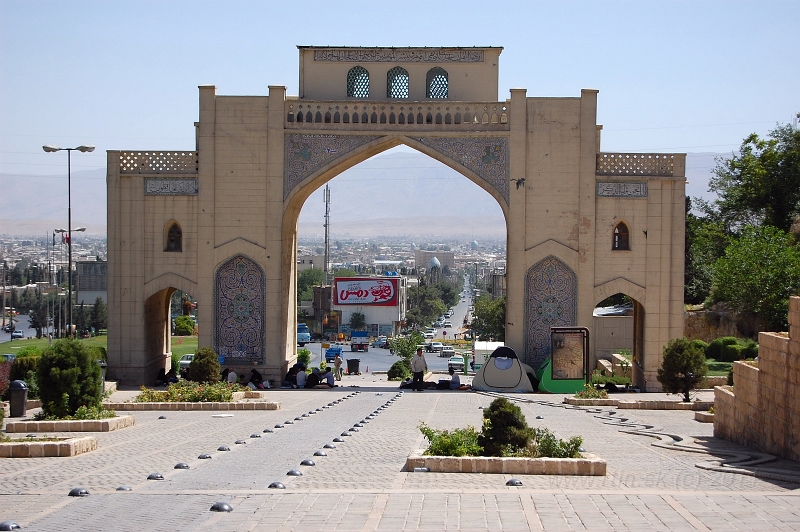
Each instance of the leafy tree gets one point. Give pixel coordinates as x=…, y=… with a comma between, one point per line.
x=706, y=240
x=682, y=368
x=69, y=377
x=306, y=282
x=405, y=347
x=357, y=321
x=757, y=274
x=761, y=184
x=204, y=367
x=345, y=272
x=98, y=316
x=489, y=318
x=505, y=431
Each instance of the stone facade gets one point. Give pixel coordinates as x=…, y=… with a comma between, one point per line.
x=175, y=219
x=763, y=408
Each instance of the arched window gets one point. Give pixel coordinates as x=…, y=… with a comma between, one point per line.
x=621, y=237
x=174, y=238
x=358, y=82
x=397, y=83
x=436, y=80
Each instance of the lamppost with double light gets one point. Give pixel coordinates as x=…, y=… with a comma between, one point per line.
x=50, y=148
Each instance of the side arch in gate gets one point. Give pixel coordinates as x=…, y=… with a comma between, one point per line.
x=551, y=300
x=240, y=311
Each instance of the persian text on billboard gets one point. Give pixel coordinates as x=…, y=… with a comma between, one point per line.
x=366, y=291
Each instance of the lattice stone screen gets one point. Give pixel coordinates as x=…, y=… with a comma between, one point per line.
x=158, y=162
x=655, y=164
x=358, y=83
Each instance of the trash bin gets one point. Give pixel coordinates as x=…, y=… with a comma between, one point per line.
x=352, y=365
x=18, y=391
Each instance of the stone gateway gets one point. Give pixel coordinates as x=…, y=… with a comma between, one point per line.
x=221, y=222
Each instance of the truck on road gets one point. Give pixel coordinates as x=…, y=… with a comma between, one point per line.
x=359, y=341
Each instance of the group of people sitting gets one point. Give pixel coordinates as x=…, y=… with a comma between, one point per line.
x=298, y=377
x=254, y=382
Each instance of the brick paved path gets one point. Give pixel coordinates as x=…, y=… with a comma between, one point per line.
x=361, y=485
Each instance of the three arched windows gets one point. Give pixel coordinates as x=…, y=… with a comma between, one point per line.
x=621, y=237
x=397, y=83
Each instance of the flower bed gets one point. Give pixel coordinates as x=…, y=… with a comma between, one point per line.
x=589, y=465
x=31, y=448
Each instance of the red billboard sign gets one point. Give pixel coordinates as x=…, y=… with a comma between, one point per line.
x=365, y=291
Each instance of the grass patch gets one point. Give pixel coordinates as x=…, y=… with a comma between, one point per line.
x=181, y=345
x=717, y=369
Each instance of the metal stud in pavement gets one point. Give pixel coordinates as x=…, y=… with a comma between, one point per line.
x=162, y=417
x=514, y=482
x=294, y=473
x=9, y=525
x=352, y=429
x=221, y=507
x=308, y=462
x=255, y=435
x=240, y=442
x=539, y=417
x=288, y=422
x=277, y=486
x=298, y=418
x=278, y=426
x=337, y=439
x=204, y=456
x=318, y=410
x=358, y=425
x=344, y=434
x=181, y=465
x=304, y=415
x=155, y=476
x=223, y=448
x=320, y=453
x=78, y=492
x=124, y=488
x=267, y=431
x=329, y=446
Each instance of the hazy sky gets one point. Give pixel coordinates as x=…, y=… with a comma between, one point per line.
x=674, y=76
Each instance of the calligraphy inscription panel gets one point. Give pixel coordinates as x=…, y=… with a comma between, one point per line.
x=389, y=55
x=621, y=190
x=159, y=186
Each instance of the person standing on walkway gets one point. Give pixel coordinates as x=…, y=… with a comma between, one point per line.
x=418, y=366
x=337, y=362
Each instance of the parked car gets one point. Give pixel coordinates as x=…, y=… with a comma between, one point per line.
x=436, y=347
x=448, y=324
x=185, y=360
x=17, y=335
x=447, y=351
x=428, y=335
x=456, y=362
x=378, y=342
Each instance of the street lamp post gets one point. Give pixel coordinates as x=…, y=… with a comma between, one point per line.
x=50, y=148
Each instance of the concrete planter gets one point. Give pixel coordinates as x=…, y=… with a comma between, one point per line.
x=590, y=402
x=140, y=407
x=589, y=465
x=92, y=425
x=68, y=447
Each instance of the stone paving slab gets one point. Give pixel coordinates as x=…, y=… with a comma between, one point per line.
x=362, y=484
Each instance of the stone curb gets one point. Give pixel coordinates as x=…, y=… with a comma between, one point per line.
x=704, y=417
x=590, y=465
x=138, y=407
x=88, y=425
x=641, y=405
x=70, y=447
x=590, y=402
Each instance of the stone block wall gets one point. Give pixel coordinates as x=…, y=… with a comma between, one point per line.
x=763, y=409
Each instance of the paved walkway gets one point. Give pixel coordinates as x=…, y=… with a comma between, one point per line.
x=361, y=484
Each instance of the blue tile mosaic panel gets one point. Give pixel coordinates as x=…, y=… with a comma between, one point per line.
x=305, y=154
x=488, y=157
x=551, y=300
x=240, y=307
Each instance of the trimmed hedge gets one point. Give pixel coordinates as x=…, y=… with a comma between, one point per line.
x=22, y=365
x=717, y=346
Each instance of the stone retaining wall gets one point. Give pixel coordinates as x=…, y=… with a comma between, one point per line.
x=762, y=410
x=128, y=407
x=90, y=425
x=34, y=449
x=590, y=465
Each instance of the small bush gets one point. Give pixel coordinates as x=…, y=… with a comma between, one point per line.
x=184, y=326
x=204, y=367
x=716, y=346
x=82, y=413
x=22, y=365
x=505, y=431
x=33, y=385
x=545, y=445
x=304, y=356
x=602, y=378
x=190, y=392
x=750, y=349
x=700, y=344
x=730, y=377
x=175, y=361
x=398, y=371
x=590, y=392
x=69, y=377
x=682, y=368
x=458, y=442
x=5, y=370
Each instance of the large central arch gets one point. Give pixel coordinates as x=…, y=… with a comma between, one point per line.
x=258, y=159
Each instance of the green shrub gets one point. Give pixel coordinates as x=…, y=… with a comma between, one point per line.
x=82, y=413
x=700, y=344
x=716, y=346
x=544, y=444
x=399, y=371
x=33, y=385
x=682, y=368
x=190, y=392
x=5, y=369
x=458, y=442
x=99, y=352
x=29, y=351
x=204, y=367
x=750, y=349
x=69, y=377
x=175, y=361
x=304, y=356
x=22, y=365
x=184, y=326
x=599, y=377
x=505, y=431
x=590, y=392
x=731, y=353
x=730, y=377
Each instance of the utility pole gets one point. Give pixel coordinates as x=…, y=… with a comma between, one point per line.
x=326, y=279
